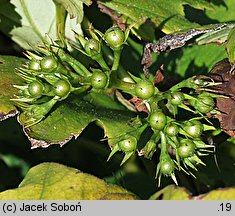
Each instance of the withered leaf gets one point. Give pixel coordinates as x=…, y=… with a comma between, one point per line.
x=221, y=72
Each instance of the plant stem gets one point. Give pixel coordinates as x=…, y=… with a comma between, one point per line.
x=61, y=15
x=116, y=59
x=188, y=83
x=115, y=82
x=76, y=65
x=163, y=143
x=122, y=74
x=99, y=58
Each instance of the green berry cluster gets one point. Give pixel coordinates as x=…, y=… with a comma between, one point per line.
x=178, y=138
x=52, y=74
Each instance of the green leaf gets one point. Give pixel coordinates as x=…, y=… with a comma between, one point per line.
x=28, y=21
x=167, y=15
x=223, y=12
x=74, y=7
x=194, y=60
x=52, y=181
x=172, y=192
x=70, y=117
x=8, y=77
x=230, y=46
x=13, y=161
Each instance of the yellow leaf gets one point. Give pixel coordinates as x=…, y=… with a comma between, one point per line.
x=52, y=181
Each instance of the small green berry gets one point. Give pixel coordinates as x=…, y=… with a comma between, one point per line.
x=49, y=64
x=114, y=37
x=62, y=88
x=99, y=80
x=128, y=145
x=157, y=120
x=144, y=89
x=36, y=88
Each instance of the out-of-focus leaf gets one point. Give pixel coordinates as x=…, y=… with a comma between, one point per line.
x=52, y=181
x=69, y=118
x=223, y=12
x=196, y=60
x=14, y=162
x=74, y=7
x=28, y=21
x=167, y=15
x=8, y=77
x=230, y=46
x=219, y=194
x=172, y=192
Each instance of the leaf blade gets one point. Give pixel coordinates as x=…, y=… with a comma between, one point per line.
x=48, y=181
x=7, y=91
x=167, y=15
x=69, y=118
x=27, y=25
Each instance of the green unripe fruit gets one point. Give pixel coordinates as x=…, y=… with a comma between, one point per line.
x=194, y=128
x=144, y=89
x=62, y=88
x=177, y=98
x=36, y=88
x=171, y=129
x=49, y=64
x=114, y=37
x=157, y=120
x=167, y=167
x=34, y=65
x=200, y=82
x=205, y=103
x=186, y=148
x=92, y=47
x=99, y=80
x=128, y=145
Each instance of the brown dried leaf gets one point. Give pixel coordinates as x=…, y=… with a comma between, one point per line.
x=222, y=72
x=140, y=106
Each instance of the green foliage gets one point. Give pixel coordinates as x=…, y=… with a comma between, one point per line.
x=49, y=181
x=69, y=119
x=8, y=77
x=168, y=15
x=23, y=25
x=158, y=125
x=74, y=8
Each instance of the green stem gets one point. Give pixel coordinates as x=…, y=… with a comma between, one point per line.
x=119, y=84
x=163, y=143
x=76, y=65
x=99, y=58
x=61, y=15
x=122, y=74
x=189, y=97
x=116, y=59
x=80, y=90
x=188, y=83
